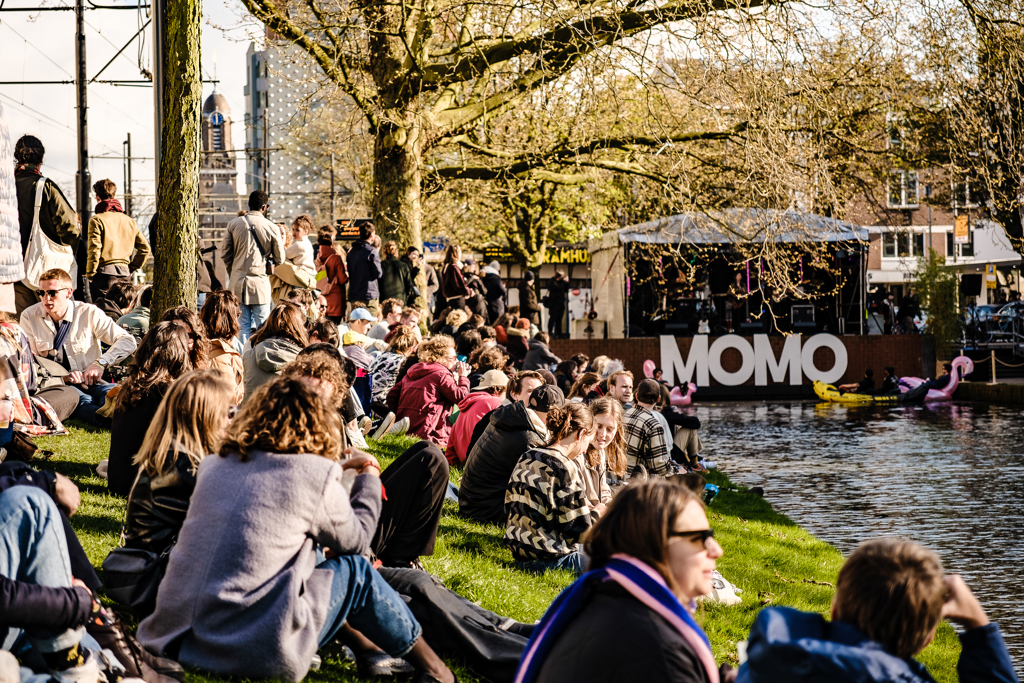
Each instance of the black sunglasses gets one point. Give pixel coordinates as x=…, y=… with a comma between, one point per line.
x=52, y=293
x=703, y=535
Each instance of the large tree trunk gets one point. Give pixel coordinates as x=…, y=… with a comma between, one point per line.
x=397, y=154
x=174, y=251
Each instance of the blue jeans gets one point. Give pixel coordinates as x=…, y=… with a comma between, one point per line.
x=90, y=399
x=575, y=562
x=201, y=299
x=33, y=549
x=361, y=597
x=253, y=315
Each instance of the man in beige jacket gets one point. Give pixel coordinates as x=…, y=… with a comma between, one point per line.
x=249, y=242
x=115, y=247
x=70, y=332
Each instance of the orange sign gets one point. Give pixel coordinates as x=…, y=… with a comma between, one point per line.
x=962, y=230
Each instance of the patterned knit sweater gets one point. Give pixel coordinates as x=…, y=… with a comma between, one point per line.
x=546, y=506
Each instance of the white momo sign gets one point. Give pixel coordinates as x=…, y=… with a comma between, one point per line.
x=758, y=360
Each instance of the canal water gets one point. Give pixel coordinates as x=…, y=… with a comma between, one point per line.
x=949, y=476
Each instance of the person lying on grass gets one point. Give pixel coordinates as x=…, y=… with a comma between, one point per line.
x=246, y=591
x=629, y=619
x=891, y=595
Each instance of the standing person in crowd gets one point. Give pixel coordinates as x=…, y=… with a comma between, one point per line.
x=430, y=389
x=557, y=300
x=891, y=595
x=115, y=246
x=56, y=217
x=546, y=501
x=391, y=316
x=220, y=319
x=539, y=355
x=528, y=306
x=265, y=604
x=396, y=280
x=298, y=269
x=495, y=291
x=332, y=263
x=162, y=358
x=251, y=247
x=274, y=346
x=70, y=332
x=509, y=431
x=476, y=302
x=364, y=270
x=136, y=321
x=416, y=263
x=187, y=426
x=647, y=445
x=583, y=386
x=630, y=619
x=484, y=398
x=454, y=289
x=606, y=456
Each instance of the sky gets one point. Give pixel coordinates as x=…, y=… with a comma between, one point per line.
x=41, y=46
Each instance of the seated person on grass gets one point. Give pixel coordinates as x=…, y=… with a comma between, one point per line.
x=546, y=502
x=70, y=332
x=484, y=397
x=890, y=596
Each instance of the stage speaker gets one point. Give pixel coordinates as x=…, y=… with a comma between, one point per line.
x=755, y=327
x=802, y=314
x=678, y=329
x=804, y=328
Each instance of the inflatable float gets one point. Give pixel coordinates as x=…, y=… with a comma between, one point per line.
x=962, y=365
x=679, y=399
x=829, y=394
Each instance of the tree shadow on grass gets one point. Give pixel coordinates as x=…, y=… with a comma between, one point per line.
x=97, y=524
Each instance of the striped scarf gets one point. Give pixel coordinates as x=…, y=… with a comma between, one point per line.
x=640, y=581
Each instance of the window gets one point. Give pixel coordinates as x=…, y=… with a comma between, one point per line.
x=902, y=244
x=966, y=195
x=903, y=190
x=894, y=130
x=964, y=250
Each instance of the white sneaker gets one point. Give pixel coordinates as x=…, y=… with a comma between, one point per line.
x=355, y=438
x=101, y=468
x=384, y=426
x=365, y=424
x=710, y=464
x=400, y=428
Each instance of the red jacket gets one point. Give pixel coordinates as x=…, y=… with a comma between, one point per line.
x=471, y=409
x=426, y=396
x=334, y=265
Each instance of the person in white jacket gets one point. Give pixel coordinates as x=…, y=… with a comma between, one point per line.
x=70, y=332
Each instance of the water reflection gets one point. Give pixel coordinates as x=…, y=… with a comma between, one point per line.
x=948, y=476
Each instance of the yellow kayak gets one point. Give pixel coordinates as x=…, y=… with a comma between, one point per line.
x=829, y=394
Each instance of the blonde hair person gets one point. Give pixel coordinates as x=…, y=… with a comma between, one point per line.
x=265, y=506
x=435, y=349
x=456, y=318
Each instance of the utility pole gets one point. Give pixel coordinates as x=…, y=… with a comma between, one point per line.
x=84, y=179
x=332, y=190
x=128, y=175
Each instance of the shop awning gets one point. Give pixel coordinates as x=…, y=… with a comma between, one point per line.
x=731, y=226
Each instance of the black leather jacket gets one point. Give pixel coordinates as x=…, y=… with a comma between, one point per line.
x=157, y=507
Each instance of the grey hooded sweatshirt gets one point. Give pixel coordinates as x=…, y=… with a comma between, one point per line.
x=264, y=362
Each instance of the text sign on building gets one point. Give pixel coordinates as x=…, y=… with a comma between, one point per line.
x=962, y=230
x=758, y=360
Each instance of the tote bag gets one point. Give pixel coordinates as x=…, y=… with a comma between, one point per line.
x=42, y=253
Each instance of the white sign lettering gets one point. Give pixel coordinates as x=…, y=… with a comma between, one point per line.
x=758, y=360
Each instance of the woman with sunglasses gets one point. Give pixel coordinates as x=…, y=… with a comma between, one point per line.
x=630, y=617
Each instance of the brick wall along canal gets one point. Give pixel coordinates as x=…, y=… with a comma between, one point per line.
x=949, y=476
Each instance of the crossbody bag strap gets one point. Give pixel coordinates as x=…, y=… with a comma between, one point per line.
x=256, y=239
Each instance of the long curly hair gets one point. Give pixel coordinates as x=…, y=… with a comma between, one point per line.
x=161, y=358
x=285, y=416
x=615, y=453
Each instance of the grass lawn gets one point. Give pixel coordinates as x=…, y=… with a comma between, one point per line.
x=768, y=556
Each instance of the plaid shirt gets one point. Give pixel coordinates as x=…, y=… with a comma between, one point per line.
x=646, y=443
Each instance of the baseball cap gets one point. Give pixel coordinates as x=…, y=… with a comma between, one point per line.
x=545, y=397
x=361, y=314
x=493, y=378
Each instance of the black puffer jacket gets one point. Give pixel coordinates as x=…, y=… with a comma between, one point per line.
x=489, y=465
x=157, y=507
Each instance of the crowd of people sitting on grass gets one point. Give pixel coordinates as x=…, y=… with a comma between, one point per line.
x=261, y=534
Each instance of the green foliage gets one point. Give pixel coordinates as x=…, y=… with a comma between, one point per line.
x=938, y=288
x=767, y=555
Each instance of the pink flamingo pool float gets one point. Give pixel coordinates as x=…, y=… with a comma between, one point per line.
x=962, y=365
x=679, y=399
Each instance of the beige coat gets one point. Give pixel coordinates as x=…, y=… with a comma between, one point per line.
x=225, y=359
x=114, y=239
x=89, y=327
x=247, y=274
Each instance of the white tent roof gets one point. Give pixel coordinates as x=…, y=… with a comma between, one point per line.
x=742, y=225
